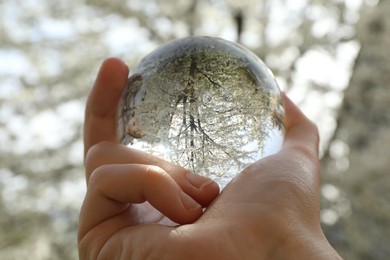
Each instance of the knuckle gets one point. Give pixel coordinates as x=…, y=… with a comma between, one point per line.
x=97, y=150
x=154, y=170
x=94, y=154
x=155, y=174
x=98, y=176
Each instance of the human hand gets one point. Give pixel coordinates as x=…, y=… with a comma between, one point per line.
x=140, y=207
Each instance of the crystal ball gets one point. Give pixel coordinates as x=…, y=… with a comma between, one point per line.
x=207, y=104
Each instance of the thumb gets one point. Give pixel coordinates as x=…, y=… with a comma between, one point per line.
x=300, y=133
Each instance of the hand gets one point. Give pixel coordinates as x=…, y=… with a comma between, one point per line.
x=140, y=207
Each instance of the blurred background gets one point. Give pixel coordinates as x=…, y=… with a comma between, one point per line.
x=331, y=57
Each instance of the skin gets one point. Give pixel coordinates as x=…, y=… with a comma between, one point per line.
x=140, y=207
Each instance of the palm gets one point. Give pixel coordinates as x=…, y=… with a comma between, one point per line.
x=146, y=214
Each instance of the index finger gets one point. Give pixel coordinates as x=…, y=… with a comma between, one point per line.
x=102, y=102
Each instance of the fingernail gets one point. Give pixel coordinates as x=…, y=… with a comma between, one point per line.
x=198, y=181
x=188, y=202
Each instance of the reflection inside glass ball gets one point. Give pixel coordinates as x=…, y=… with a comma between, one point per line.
x=204, y=103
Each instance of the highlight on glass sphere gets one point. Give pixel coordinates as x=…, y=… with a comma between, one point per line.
x=204, y=103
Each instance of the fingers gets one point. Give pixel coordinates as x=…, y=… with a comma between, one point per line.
x=101, y=108
x=202, y=189
x=301, y=134
x=114, y=188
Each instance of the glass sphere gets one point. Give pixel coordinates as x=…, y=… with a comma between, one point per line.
x=204, y=103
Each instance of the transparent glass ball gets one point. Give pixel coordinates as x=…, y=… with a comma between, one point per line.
x=204, y=103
